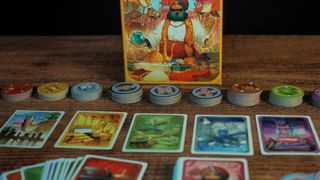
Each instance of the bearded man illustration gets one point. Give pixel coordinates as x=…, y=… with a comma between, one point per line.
x=177, y=33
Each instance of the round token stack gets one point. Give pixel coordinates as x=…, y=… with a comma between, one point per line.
x=316, y=97
x=245, y=94
x=126, y=92
x=53, y=91
x=206, y=96
x=286, y=96
x=86, y=91
x=16, y=92
x=165, y=94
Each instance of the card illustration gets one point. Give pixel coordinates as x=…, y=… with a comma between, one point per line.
x=33, y=172
x=92, y=130
x=212, y=168
x=156, y=133
x=125, y=87
x=287, y=135
x=29, y=129
x=172, y=41
x=11, y=175
x=94, y=167
x=217, y=134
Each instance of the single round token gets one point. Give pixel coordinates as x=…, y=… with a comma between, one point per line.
x=287, y=91
x=53, y=88
x=316, y=92
x=301, y=176
x=247, y=88
x=15, y=89
x=316, y=97
x=86, y=88
x=164, y=90
x=86, y=91
x=125, y=87
x=206, y=92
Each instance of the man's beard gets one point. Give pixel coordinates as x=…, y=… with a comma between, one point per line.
x=181, y=16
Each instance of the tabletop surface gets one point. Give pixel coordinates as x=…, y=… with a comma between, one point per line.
x=266, y=60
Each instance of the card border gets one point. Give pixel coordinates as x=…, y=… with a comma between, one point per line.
x=46, y=169
x=110, y=147
x=45, y=140
x=58, y=169
x=74, y=167
x=51, y=171
x=86, y=157
x=183, y=135
x=179, y=169
x=5, y=174
x=249, y=131
x=261, y=145
x=65, y=167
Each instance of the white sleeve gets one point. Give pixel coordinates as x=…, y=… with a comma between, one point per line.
x=154, y=37
x=199, y=34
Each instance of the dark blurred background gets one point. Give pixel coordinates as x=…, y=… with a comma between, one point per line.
x=102, y=17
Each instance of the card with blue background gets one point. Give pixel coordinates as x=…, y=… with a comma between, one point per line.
x=221, y=134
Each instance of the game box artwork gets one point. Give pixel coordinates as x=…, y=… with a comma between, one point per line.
x=172, y=41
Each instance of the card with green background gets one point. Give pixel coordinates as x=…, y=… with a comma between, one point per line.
x=33, y=172
x=156, y=133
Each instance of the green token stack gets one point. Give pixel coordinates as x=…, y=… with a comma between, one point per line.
x=286, y=96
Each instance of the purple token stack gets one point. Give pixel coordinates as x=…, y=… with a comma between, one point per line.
x=316, y=97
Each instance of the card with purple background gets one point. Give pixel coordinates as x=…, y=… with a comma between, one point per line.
x=287, y=135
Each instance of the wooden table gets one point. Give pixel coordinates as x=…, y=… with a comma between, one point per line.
x=267, y=60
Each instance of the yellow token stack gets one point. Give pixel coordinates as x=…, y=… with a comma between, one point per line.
x=53, y=91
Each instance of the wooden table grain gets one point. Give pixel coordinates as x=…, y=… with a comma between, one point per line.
x=267, y=60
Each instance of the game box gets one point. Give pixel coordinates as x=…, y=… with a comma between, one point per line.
x=172, y=41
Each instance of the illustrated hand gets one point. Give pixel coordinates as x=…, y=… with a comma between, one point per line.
x=208, y=42
x=138, y=39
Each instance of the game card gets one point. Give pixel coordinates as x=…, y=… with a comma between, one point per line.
x=59, y=168
x=11, y=175
x=156, y=133
x=29, y=129
x=46, y=168
x=188, y=168
x=97, y=167
x=73, y=167
x=33, y=172
x=65, y=168
x=92, y=130
x=222, y=134
x=172, y=41
x=287, y=135
x=52, y=169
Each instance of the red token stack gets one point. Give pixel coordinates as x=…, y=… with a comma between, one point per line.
x=16, y=92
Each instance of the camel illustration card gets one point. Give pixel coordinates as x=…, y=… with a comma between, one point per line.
x=99, y=167
x=222, y=134
x=11, y=175
x=156, y=133
x=92, y=130
x=287, y=135
x=29, y=129
x=211, y=168
x=172, y=41
x=33, y=172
